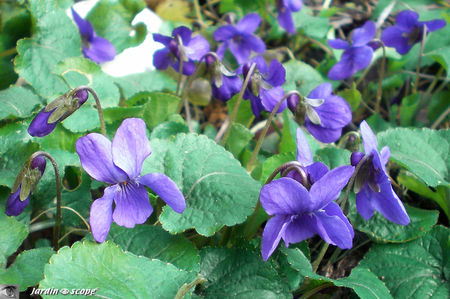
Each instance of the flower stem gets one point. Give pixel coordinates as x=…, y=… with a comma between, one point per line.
x=380, y=81
x=57, y=227
x=352, y=181
x=252, y=160
x=323, y=250
x=315, y=290
x=97, y=103
x=187, y=286
x=419, y=60
x=238, y=103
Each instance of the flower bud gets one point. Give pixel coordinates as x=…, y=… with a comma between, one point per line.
x=58, y=110
x=199, y=92
x=356, y=157
x=24, y=185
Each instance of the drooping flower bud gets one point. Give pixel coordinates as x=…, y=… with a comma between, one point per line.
x=225, y=84
x=199, y=92
x=26, y=181
x=56, y=111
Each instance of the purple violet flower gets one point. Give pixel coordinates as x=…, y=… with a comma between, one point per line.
x=264, y=88
x=95, y=47
x=372, y=185
x=284, y=8
x=408, y=31
x=181, y=46
x=20, y=196
x=56, y=111
x=324, y=114
x=240, y=38
x=301, y=212
x=225, y=84
x=355, y=57
x=119, y=164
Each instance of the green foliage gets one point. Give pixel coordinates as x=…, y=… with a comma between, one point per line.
x=301, y=76
x=382, y=230
x=12, y=233
x=238, y=139
x=159, y=107
x=417, y=269
x=239, y=273
x=217, y=189
x=155, y=243
x=55, y=38
x=28, y=268
x=408, y=147
x=114, y=273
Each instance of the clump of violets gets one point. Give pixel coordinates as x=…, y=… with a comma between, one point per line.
x=356, y=56
x=372, y=184
x=95, y=47
x=24, y=185
x=240, y=39
x=56, y=111
x=323, y=113
x=225, y=84
x=119, y=164
x=181, y=46
x=408, y=31
x=304, y=206
x=285, y=9
x=264, y=88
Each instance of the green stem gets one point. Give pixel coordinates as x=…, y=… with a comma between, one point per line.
x=8, y=52
x=440, y=118
x=238, y=103
x=187, y=286
x=57, y=227
x=380, y=81
x=97, y=103
x=316, y=290
x=323, y=250
x=252, y=160
x=419, y=60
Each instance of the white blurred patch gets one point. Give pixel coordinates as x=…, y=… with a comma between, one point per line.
x=132, y=60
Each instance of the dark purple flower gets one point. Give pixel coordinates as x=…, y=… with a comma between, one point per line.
x=324, y=114
x=408, y=31
x=372, y=185
x=264, y=89
x=27, y=179
x=95, y=47
x=301, y=212
x=240, y=38
x=180, y=47
x=119, y=164
x=225, y=84
x=355, y=57
x=284, y=8
x=56, y=111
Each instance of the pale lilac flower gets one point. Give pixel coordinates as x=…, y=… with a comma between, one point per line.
x=372, y=184
x=95, y=47
x=181, y=46
x=225, y=84
x=356, y=56
x=299, y=212
x=240, y=38
x=264, y=89
x=285, y=9
x=408, y=31
x=325, y=114
x=119, y=164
